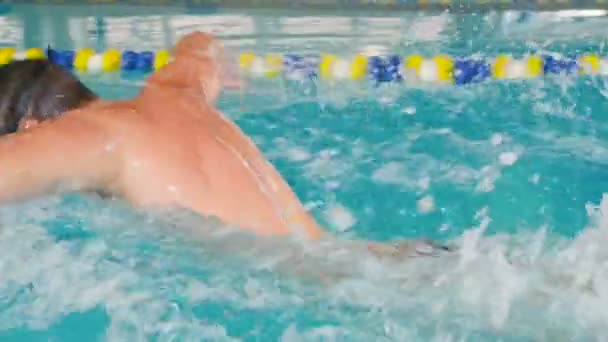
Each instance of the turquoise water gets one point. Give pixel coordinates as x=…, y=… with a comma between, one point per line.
x=512, y=172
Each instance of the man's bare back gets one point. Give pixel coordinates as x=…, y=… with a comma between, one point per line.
x=168, y=146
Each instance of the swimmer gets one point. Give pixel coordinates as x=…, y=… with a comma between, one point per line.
x=38, y=90
x=167, y=147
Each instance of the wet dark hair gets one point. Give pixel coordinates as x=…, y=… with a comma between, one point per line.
x=38, y=88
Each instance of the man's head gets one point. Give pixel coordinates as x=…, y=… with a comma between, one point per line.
x=36, y=90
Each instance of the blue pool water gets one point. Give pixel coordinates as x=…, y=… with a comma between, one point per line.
x=512, y=172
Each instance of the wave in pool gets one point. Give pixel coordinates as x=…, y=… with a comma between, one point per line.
x=124, y=275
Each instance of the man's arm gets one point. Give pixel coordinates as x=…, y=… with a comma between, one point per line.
x=70, y=153
x=198, y=65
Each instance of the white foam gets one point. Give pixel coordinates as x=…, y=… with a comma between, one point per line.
x=496, y=139
x=584, y=147
x=410, y=110
x=66, y=277
x=508, y=158
x=488, y=176
x=291, y=334
x=391, y=172
x=495, y=283
x=424, y=183
x=325, y=166
x=298, y=154
x=340, y=217
x=422, y=172
x=535, y=178
x=332, y=185
x=426, y=205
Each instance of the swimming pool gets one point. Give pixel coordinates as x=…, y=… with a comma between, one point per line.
x=513, y=171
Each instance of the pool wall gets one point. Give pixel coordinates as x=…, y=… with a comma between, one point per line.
x=290, y=33
x=454, y=5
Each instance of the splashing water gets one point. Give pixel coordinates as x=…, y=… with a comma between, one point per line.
x=128, y=276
